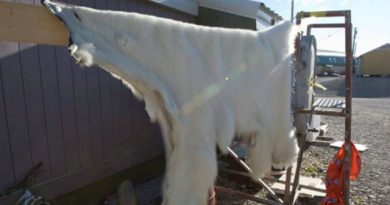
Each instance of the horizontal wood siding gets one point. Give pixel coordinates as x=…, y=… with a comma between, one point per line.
x=215, y=18
x=81, y=123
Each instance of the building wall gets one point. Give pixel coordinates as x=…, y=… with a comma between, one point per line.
x=375, y=63
x=82, y=124
x=330, y=64
x=212, y=17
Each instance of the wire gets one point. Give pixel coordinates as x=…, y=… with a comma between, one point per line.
x=331, y=34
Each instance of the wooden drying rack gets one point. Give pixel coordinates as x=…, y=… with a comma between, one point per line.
x=35, y=24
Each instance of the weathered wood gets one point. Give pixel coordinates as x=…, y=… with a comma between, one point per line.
x=95, y=122
x=303, y=75
x=68, y=115
x=127, y=132
x=6, y=172
x=282, y=181
x=212, y=17
x=52, y=106
x=287, y=185
x=321, y=112
x=259, y=181
x=14, y=100
x=224, y=190
x=81, y=109
x=92, y=174
x=30, y=24
x=35, y=109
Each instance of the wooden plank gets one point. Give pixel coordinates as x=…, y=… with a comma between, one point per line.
x=127, y=134
x=7, y=177
x=123, y=5
x=82, y=114
x=15, y=109
x=106, y=110
x=141, y=7
x=140, y=123
x=149, y=9
x=68, y=115
x=100, y=4
x=107, y=168
x=72, y=182
x=82, y=109
x=308, y=186
x=132, y=6
x=112, y=5
x=117, y=109
x=30, y=24
x=155, y=134
x=35, y=108
x=116, y=101
x=106, y=102
x=95, y=113
x=258, y=181
x=243, y=195
x=51, y=98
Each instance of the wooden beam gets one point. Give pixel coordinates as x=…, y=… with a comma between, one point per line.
x=30, y=24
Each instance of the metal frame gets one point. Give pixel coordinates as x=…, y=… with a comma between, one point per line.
x=290, y=198
x=348, y=81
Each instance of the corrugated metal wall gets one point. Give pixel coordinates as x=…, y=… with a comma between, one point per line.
x=82, y=124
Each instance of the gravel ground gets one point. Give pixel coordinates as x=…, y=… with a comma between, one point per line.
x=370, y=126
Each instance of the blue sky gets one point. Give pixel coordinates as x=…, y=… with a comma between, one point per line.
x=371, y=17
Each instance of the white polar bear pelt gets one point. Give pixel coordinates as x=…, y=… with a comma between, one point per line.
x=202, y=85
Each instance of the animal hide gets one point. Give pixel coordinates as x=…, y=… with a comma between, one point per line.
x=202, y=85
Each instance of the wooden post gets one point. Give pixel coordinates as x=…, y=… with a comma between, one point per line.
x=259, y=181
x=348, y=104
x=287, y=186
x=31, y=24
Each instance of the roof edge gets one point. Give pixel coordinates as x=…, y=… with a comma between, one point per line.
x=384, y=46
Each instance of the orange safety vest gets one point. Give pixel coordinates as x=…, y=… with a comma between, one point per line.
x=334, y=180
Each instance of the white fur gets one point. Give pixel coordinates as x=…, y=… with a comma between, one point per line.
x=203, y=85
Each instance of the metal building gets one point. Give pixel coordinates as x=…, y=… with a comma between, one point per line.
x=374, y=62
x=330, y=62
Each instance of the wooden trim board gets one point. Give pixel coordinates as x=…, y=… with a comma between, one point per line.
x=31, y=24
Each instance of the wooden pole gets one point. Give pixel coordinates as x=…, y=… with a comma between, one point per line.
x=292, y=11
x=259, y=181
x=245, y=196
x=30, y=24
x=348, y=104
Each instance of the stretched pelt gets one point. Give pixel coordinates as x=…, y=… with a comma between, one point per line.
x=202, y=85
